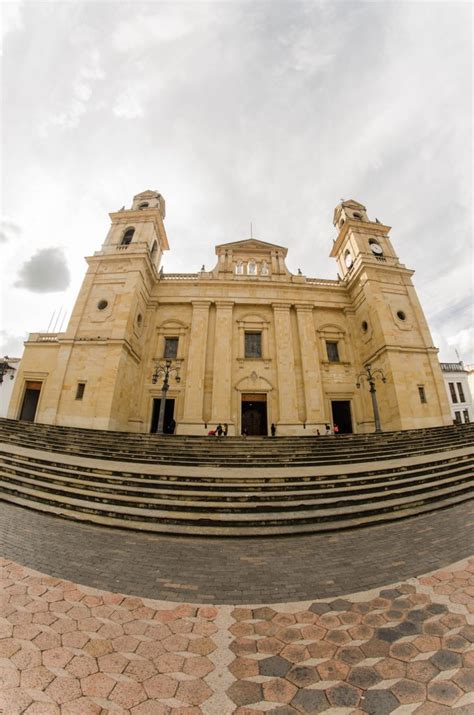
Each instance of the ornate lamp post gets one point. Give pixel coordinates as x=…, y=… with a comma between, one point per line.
x=163, y=370
x=370, y=376
x=5, y=369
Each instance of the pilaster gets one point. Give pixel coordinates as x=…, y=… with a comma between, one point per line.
x=310, y=364
x=196, y=364
x=285, y=363
x=222, y=376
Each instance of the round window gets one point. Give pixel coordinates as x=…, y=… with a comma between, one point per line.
x=102, y=304
x=401, y=315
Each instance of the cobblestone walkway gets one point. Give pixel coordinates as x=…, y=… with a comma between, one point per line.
x=405, y=648
x=236, y=571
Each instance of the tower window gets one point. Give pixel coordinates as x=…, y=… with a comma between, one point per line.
x=401, y=315
x=253, y=345
x=422, y=394
x=139, y=320
x=461, y=392
x=452, y=390
x=171, y=348
x=81, y=386
x=144, y=205
x=102, y=304
x=357, y=216
x=365, y=326
x=332, y=351
x=127, y=237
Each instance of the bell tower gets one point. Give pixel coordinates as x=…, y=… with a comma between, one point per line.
x=139, y=229
x=360, y=239
x=106, y=339
x=388, y=325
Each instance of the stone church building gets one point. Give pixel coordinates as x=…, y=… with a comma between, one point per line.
x=251, y=343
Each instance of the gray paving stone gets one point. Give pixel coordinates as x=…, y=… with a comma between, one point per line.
x=378, y=702
x=310, y=702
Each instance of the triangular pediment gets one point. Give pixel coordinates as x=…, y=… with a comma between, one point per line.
x=148, y=194
x=352, y=203
x=250, y=245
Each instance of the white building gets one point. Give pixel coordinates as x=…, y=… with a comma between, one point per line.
x=456, y=379
x=6, y=386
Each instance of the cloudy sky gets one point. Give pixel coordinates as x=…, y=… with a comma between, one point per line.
x=267, y=112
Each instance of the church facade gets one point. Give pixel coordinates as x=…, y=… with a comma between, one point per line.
x=251, y=343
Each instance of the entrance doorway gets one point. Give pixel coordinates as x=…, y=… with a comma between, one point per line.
x=254, y=414
x=168, y=423
x=341, y=415
x=30, y=401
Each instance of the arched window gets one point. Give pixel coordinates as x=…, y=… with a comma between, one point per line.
x=239, y=268
x=264, y=268
x=127, y=237
x=144, y=205
x=252, y=268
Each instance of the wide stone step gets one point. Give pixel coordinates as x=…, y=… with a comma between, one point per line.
x=231, y=504
x=207, y=526
x=293, y=489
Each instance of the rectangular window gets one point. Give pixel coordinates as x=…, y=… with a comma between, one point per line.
x=421, y=392
x=461, y=392
x=81, y=386
x=466, y=416
x=332, y=350
x=454, y=397
x=171, y=348
x=253, y=345
x=457, y=418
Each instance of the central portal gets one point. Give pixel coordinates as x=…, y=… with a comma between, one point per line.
x=254, y=414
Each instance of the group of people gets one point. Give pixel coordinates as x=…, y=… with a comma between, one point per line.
x=220, y=431
x=329, y=430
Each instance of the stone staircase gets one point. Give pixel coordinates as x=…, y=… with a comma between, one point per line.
x=234, y=486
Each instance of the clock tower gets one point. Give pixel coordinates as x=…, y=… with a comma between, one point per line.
x=388, y=325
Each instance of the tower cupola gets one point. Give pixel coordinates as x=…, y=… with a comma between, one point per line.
x=149, y=200
x=349, y=211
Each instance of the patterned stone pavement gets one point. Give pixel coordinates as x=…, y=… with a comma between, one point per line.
x=69, y=649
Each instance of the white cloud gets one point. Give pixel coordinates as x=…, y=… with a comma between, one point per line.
x=11, y=19
x=45, y=272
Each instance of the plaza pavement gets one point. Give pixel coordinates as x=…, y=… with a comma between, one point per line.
x=405, y=647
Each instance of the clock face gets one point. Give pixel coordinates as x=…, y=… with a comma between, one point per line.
x=348, y=260
x=375, y=248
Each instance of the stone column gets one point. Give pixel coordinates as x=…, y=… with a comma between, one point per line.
x=310, y=365
x=285, y=363
x=196, y=365
x=222, y=374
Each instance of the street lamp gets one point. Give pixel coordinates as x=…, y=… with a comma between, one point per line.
x=164, y=371
x=370, y=376
x=5, y=369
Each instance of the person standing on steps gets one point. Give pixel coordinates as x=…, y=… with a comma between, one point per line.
x=336, y=429
x=219, y=430
x=226, y=429
x=273, y=429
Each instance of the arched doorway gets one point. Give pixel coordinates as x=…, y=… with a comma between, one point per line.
x=254, y=414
